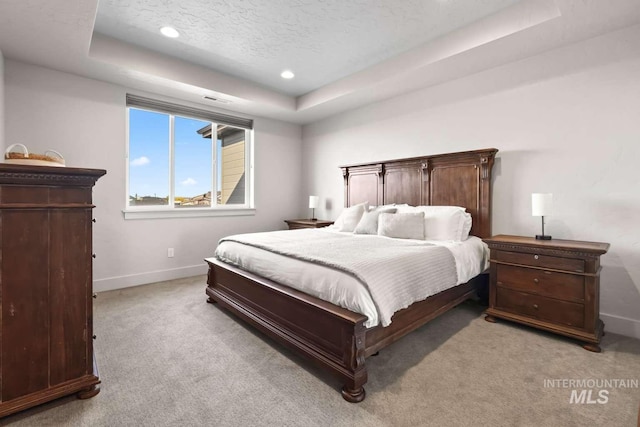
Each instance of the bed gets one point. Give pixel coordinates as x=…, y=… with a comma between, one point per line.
x=333, y=337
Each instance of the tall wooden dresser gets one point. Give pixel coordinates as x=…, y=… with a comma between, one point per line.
x=46, y=325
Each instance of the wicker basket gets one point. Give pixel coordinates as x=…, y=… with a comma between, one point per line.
x=49, y=158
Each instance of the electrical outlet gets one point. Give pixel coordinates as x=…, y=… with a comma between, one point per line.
x=170, y=253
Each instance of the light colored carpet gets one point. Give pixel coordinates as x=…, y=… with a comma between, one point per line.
x=167, y=358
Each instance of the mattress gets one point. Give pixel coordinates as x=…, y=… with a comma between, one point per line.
x=336, y=286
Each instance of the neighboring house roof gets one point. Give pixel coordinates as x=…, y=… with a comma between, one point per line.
x=222, y=130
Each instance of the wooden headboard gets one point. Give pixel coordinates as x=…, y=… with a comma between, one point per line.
x=451, y=179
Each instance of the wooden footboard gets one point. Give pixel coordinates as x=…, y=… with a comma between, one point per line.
x=330, y=336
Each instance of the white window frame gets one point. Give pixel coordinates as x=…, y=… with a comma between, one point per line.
x=170, y=211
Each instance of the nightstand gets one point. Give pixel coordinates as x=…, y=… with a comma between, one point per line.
x=552, y=285
x=306, y=223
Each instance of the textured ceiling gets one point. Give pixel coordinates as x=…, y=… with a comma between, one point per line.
x=321, y=41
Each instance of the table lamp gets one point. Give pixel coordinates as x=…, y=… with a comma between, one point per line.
x=541, y=206
x=313, y=204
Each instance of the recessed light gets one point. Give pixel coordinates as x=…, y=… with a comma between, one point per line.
x=287, y=74
x=169, y=32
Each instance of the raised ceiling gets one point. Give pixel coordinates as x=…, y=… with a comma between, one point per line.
x=320, y=41
x=346, y=54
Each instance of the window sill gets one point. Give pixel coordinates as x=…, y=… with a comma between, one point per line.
x=185, y=213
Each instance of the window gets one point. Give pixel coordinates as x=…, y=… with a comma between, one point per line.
x=182, y=160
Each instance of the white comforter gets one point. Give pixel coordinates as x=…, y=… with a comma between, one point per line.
x=336, y=286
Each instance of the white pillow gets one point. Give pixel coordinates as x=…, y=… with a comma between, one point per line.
x=369, y=222
x=447, y=226
x=349, y=218
x=466, y=227
x=443, y=222
x=402, y=226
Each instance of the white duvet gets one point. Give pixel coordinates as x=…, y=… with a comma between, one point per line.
x=335, y=286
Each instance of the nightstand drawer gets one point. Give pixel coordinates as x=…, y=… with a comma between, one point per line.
x=544, y=261
x=539, y=307
x=563, y=286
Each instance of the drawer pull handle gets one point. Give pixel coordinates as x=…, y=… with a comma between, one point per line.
x=536, y=280
x=499, y=283
x=536, y=257
x=535, y=306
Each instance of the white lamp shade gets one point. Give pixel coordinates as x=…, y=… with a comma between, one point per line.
x=313, y=202
x=541, y=204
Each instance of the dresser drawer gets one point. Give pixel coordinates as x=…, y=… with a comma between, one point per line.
x=562, y=286
x=539, y=307
x=544, y=261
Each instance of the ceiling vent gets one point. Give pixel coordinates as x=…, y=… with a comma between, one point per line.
x=220, y=100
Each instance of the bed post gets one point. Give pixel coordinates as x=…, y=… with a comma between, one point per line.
x=211, y=278
x=353, y=390
x=486, y=165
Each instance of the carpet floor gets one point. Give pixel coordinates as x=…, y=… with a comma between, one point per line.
x=167, y=358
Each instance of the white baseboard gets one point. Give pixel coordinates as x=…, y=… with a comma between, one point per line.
x=111, y=283
x=621, y=325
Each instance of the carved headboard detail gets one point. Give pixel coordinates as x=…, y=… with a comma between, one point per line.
x=452, y=179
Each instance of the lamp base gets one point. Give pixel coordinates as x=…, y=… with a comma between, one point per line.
x=543, y=237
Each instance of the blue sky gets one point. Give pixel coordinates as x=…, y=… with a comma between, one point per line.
x=149, y=155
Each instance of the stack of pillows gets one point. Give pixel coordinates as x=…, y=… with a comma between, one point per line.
x=450, y=223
